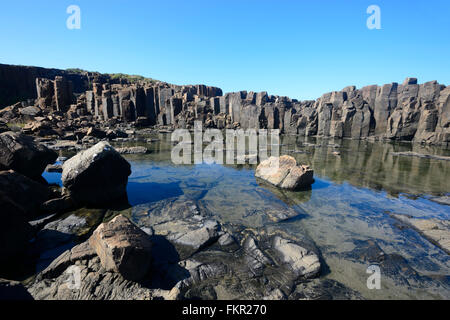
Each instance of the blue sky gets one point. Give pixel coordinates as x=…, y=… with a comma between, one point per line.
x=301, y=49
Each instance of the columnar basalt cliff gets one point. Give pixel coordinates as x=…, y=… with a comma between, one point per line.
x=407, y=112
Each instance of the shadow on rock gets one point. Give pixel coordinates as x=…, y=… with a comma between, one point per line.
x=166, y=272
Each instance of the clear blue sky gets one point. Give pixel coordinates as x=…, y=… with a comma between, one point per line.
x=301, y=49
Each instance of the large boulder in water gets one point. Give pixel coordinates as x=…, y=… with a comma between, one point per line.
x=283, y=172
x=123, y=248
x=22, y=154
x=97, y=176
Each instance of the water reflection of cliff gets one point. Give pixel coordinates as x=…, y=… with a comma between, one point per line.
x=360, y=163
x=372, y=164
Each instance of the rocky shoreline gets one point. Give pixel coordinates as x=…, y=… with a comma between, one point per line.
x=177, y=250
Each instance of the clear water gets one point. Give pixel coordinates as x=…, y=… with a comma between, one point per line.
x=348, y=203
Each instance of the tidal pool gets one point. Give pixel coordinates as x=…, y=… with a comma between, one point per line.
x=346, y=212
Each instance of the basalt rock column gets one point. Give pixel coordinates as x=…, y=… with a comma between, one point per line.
x=45, y=92
x=173, y=108
x=127, y=108
x=107, y=105
x=90, y=102
x=63, y=93
x=386, y=100
x=150, y=111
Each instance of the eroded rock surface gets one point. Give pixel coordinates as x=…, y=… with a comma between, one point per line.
x=122, y=248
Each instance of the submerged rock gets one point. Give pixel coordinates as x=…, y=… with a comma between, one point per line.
x=226, y=262
x=123, y=248
x=97, y=176
x=182, y=222
x=132, y=150
x=22, y=154
x=435, y=230
x=283, y=172
x=303, y=262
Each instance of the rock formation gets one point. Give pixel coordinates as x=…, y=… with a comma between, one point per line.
x=407, y=111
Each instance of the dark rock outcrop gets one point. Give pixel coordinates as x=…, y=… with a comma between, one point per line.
x=22, y=154
x=26, y=193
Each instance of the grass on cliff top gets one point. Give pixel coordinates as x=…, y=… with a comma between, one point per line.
x=116, y=76
x=130, y=78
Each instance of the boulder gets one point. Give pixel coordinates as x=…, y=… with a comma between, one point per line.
x=97, y=176
x=123, y=248
x=18, y=187
x=22, y=154
x=283, y=172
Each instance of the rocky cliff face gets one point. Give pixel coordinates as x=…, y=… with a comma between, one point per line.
x=406, y=112
x=18, y=83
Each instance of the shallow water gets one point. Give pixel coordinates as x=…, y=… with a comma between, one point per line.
x=347, y=206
